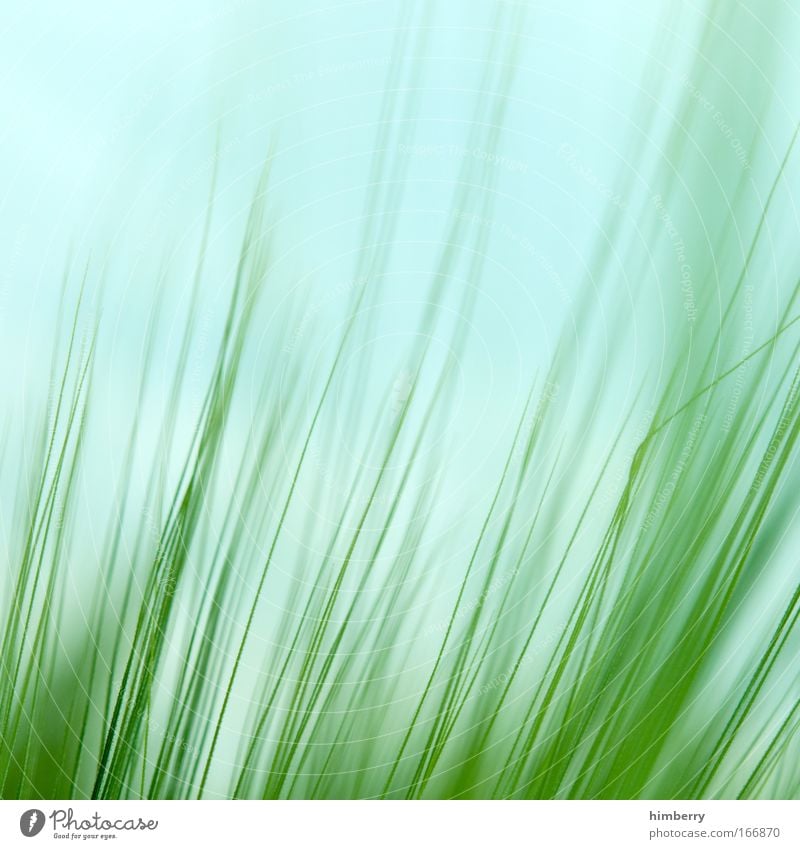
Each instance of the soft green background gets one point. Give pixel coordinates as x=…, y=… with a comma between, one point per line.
x=617, y=158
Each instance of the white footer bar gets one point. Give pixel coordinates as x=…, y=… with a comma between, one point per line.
x=404, y=825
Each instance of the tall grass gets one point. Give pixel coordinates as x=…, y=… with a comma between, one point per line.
x=267, y=618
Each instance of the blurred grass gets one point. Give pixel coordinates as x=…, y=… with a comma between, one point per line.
x=236, y=643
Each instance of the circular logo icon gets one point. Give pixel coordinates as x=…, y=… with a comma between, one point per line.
x=31, y=822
